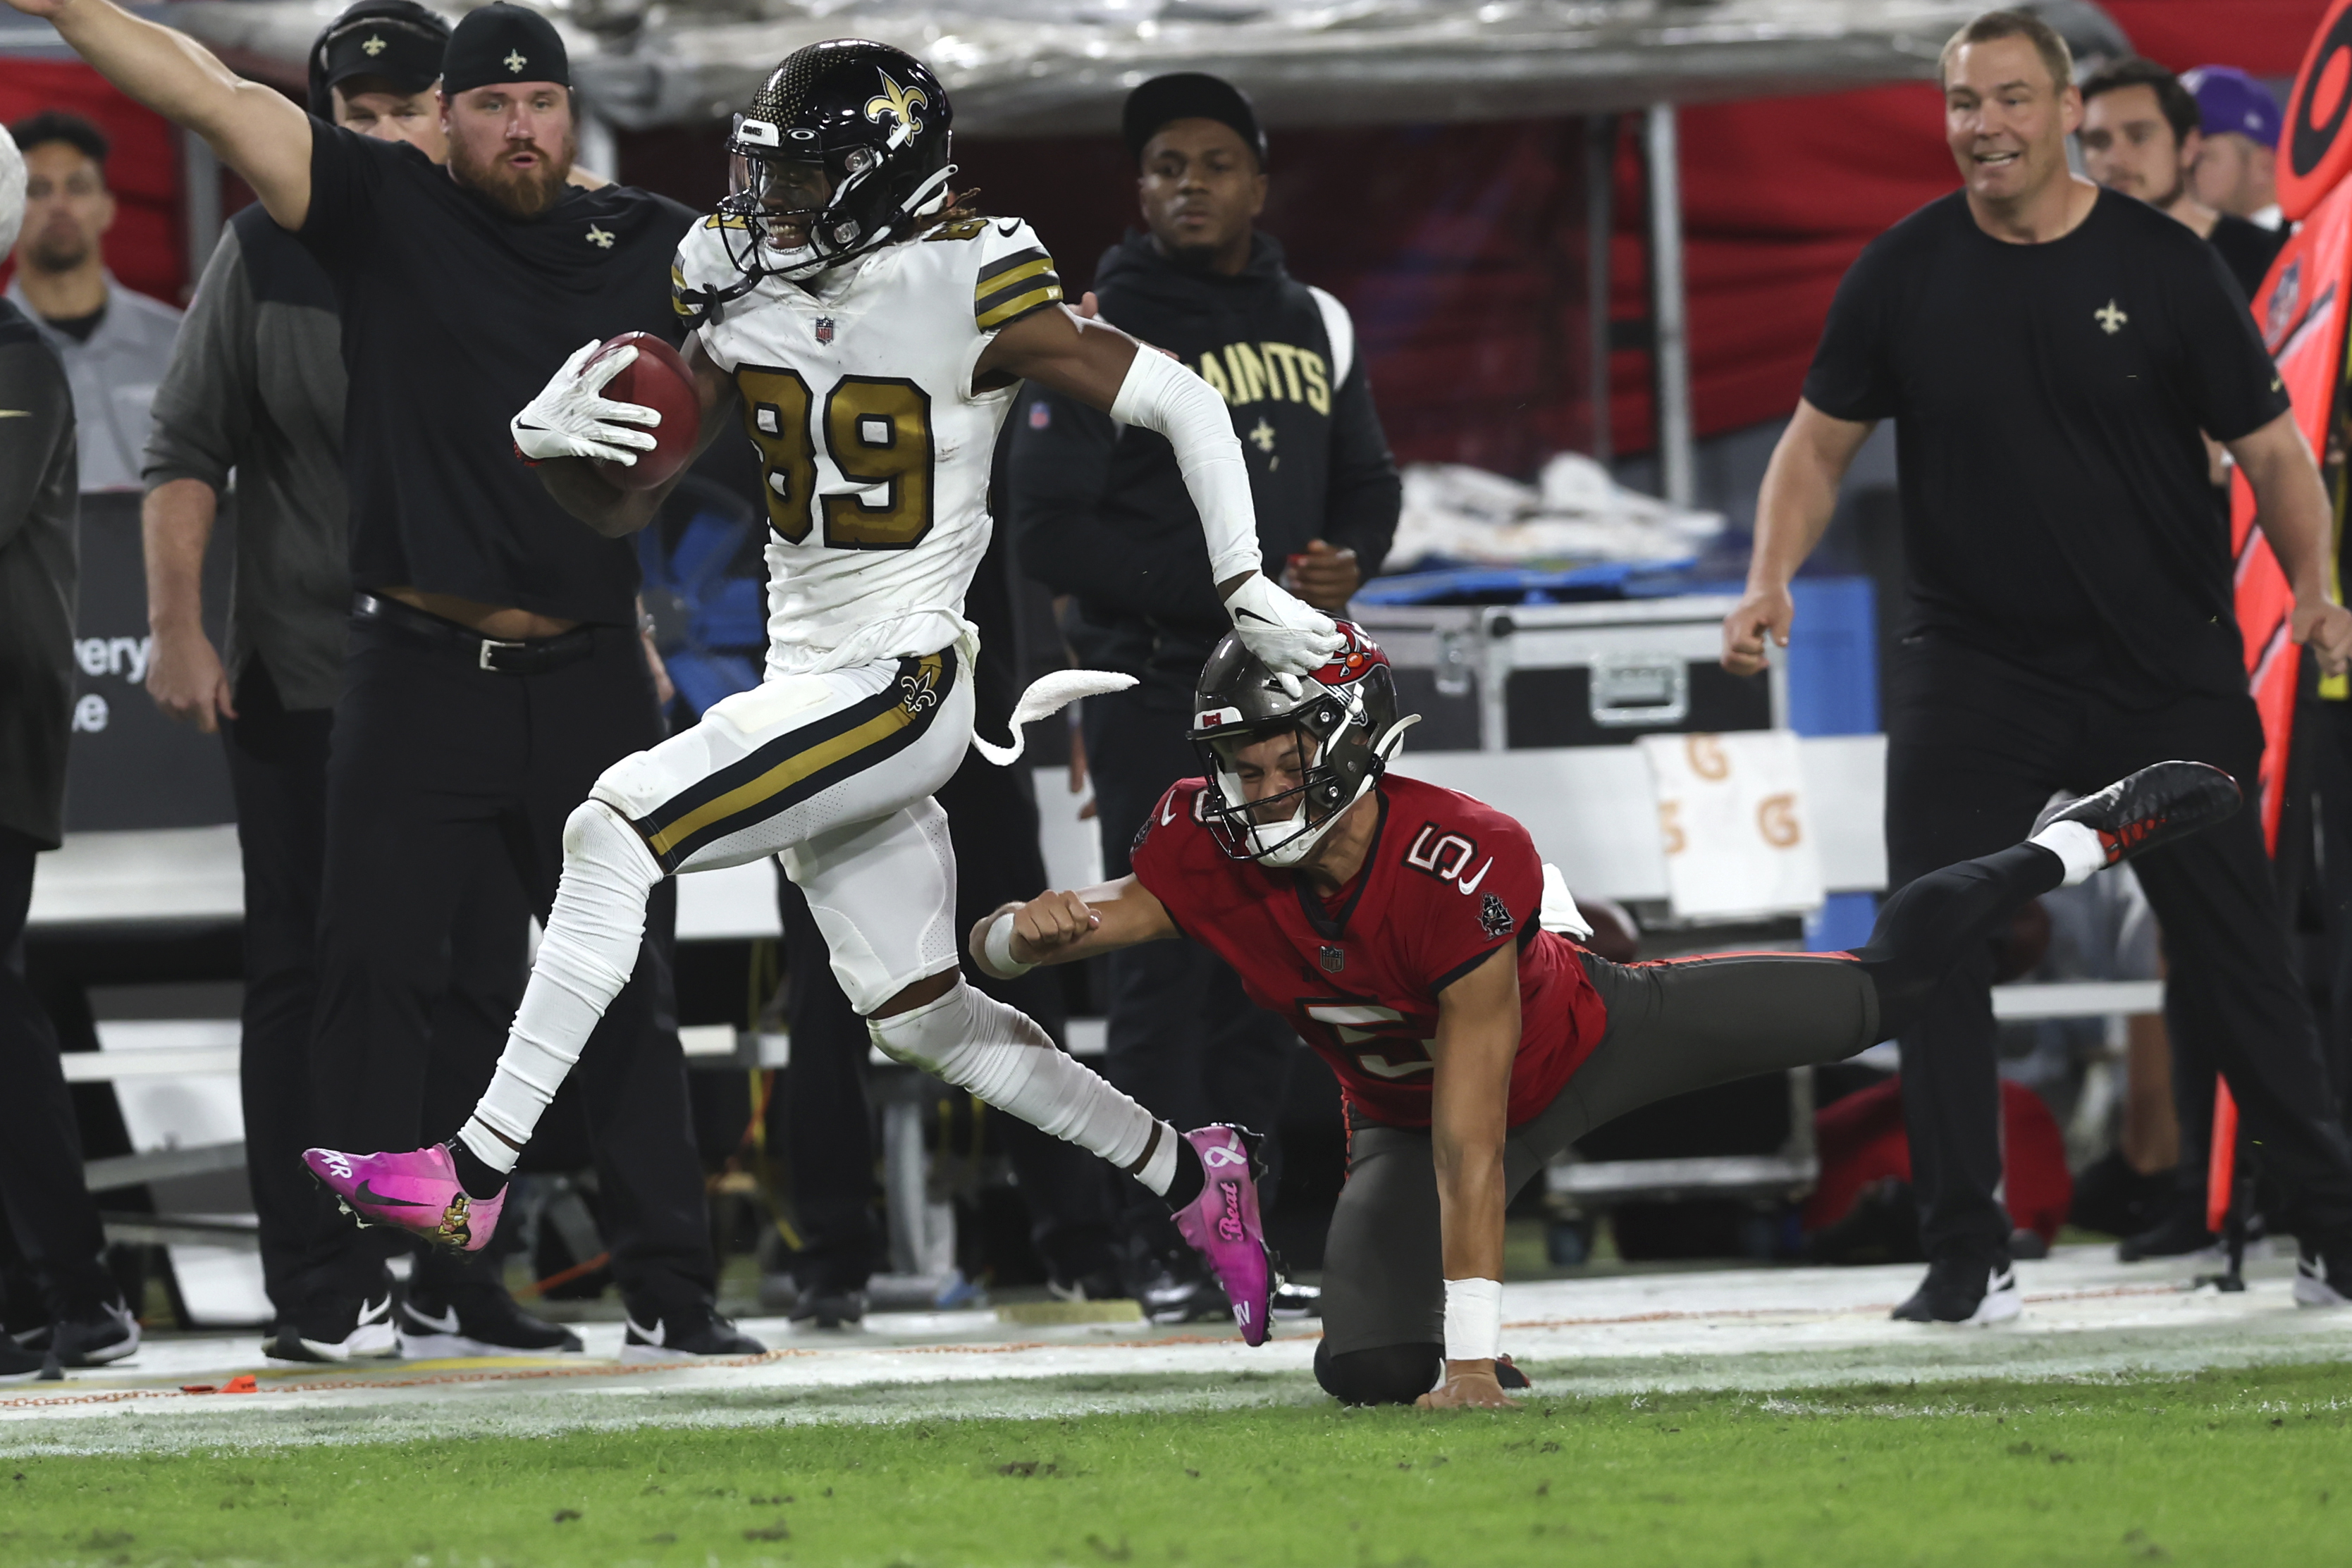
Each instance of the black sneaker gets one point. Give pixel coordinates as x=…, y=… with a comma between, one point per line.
x=1966, y=1291
x=1101, y=1285
x=1508, y=1375
x=1296, y=1302
x=475, y=1320
x=2176, y=1235
x=2323, y=1280
x=2160, y=803
x=1171, y=1297
x=108, y=1334
x=336, y=1330
x=18, y=1365
x=829, y=1308
x=682, y=1335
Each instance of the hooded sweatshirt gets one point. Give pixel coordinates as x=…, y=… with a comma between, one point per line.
x=1099, y=511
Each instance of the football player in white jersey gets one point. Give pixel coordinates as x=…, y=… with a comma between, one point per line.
x=871, y=337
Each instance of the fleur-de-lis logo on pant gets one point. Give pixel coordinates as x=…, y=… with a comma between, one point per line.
x=898, y=104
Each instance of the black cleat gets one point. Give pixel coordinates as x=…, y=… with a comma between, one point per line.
x=1508, y=1375
x=687, y=1333
x=475, y=1320
x=830, y=1308
x=2160, y=803
x=1967, y=1292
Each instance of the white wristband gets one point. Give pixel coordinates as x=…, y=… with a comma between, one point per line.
x=1474, y=1319
x=996, y=949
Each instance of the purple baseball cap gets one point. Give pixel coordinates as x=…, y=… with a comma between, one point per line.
x=2230, y=100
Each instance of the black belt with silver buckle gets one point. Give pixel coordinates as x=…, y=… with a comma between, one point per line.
x=538, y=656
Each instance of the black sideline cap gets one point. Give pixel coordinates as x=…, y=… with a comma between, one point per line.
x=503, y=43
x=397, y=40
x=1190, y=95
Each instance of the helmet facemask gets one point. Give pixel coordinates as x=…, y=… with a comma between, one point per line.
x=1281, y=828
x=828, y=200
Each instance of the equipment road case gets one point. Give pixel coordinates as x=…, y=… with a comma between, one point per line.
x=1501, y=677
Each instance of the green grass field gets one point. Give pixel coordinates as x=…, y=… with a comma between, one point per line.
x=2241, y=1466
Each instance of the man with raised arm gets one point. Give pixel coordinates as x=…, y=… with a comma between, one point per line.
x=494, y=667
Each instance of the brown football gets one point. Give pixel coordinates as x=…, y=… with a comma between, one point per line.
x=658, y=379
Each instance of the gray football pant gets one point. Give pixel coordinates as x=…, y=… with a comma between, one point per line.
x=1672, y=1028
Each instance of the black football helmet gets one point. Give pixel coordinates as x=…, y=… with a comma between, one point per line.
x=847, y=141
x=1345, y=711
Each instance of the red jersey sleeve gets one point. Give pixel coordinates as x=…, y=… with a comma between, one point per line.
x=1476, y=884
x=1166, y=857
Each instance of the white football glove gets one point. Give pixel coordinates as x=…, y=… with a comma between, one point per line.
x=569, y=418
x=1291, y=636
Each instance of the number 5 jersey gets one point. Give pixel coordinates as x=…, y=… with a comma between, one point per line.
x=874, y=448
x=1449, y=880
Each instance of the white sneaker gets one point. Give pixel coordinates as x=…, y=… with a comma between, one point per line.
x=2312, y=1285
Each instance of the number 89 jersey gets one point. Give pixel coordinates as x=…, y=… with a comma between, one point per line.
x=875, y=449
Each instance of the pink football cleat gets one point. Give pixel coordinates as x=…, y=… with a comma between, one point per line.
x=417, y=1192
x=1223, y=1225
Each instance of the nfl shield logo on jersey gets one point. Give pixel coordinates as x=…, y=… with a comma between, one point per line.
x=1333, y=960
x=824, y=328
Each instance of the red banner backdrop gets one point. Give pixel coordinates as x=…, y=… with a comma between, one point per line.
x=145, y=249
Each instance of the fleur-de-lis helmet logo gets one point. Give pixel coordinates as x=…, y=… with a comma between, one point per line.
x=898, y=104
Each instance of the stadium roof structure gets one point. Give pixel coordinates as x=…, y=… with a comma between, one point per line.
x=1039, y=68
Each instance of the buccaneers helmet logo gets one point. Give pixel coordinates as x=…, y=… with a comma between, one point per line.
x=895, y=102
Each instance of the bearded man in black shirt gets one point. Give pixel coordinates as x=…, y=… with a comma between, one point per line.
x=494, y=667
x=2050, y=353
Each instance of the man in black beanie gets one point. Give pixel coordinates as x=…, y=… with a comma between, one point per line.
x=255, y=388
x=1101, y=515
x=494, y=668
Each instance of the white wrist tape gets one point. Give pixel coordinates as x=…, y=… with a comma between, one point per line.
x=1161, y=395
x=1474, y=1319
x=996, y=949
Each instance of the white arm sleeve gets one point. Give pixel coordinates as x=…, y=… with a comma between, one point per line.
x=1162, y=395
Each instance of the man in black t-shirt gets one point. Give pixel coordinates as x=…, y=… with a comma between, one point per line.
x=2049, y=354
x=494, y=668
x=2140, y=136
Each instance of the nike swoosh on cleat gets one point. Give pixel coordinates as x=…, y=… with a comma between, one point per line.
x=650, y=1337
x=365, y=1195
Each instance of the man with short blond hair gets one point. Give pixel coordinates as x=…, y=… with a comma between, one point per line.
x=2052, y=355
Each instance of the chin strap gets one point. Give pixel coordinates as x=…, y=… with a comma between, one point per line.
x=1290, y=851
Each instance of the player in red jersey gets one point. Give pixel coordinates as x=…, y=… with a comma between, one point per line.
x=1418, y=942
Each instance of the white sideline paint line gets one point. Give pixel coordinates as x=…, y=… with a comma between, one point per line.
x=1755, y=1329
